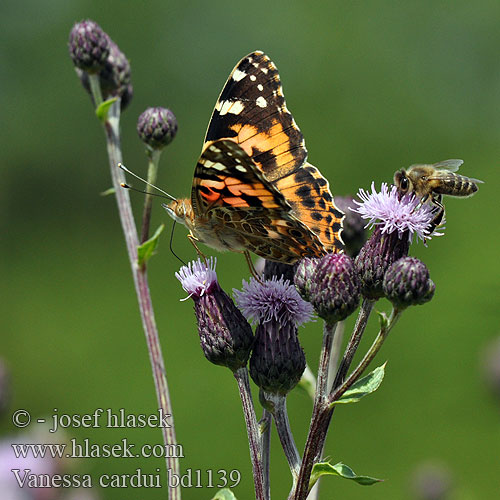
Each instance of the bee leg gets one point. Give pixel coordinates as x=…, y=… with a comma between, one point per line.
x=193, y=241
x=438, y=218
x=253, y=272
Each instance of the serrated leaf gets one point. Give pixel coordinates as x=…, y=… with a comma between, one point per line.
x=145, y=250
x=225, y=494
x=340, y=470
x=108, y=191
x=103, y=108
x=383, y=319
x=363, y=386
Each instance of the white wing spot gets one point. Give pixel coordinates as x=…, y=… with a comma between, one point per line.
x=260, y=87
x=264, y=70
x=233, y=107
x=238, y=75
x=253, y=78
x=240, y=168
x=214, y=149
x=261, y=102
x=218, y=166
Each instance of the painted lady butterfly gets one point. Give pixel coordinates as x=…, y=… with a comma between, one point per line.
x=253, y=189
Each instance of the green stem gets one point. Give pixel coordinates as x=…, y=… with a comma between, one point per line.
x=111, y=127
x=154, y=158
x=368, y=358
x=322, y=412
x=278, y=405
x=359, y=328
x=95, y=89
x=324, y=359
x=265, y=445
x=241, y=376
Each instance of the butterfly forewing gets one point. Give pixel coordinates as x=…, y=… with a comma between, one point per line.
x=251, y=111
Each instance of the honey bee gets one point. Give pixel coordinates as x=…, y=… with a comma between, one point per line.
x=431, y=182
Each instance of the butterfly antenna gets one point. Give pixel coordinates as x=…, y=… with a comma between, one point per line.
x=125, y=169
x=171, y=247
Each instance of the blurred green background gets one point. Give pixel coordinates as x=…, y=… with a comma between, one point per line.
x=374, y=86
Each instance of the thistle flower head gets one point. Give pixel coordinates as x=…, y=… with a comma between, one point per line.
x=392, y=213
x=407, y=283
x=198, y=277
x=278, y=361
x=274, y=299
x=88, y=46
x=335, y=288
x=226, y=338
x=157, y=127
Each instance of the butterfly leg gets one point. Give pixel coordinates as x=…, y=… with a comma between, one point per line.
x=253, y=271
x=193, y=241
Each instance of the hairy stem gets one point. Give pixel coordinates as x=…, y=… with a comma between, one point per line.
x=111, y=127
x=324, y=360
x=352, y=346
x=368, y=358
x=241, y=376
x=265, y=444
x=278, y=403
x=154, y=158
x=322, y=411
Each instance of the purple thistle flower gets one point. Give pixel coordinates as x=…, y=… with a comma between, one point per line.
x=198, y=277
x=226, y=338
x=393, y=213
x=274, y=299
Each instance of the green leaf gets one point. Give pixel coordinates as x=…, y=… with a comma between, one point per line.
x=340, y=470
x=383, y=319
x=145, y=250
x=103, y=108
x=225, y=494
x=363, y=386
x=108, y=191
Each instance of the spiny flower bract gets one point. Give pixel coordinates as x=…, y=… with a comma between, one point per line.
x=392, y=213
x=274, y=299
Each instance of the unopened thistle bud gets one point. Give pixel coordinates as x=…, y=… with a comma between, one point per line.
x=277, y=361
x=88, y=46
x=114, y=76
x=157, y=127
x=407, y=283
x=335, y=288
x=225, y=335
x=354, y=227
x=303, y=276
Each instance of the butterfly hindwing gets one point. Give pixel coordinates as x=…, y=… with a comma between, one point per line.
x=251, y=111
x=226, y=176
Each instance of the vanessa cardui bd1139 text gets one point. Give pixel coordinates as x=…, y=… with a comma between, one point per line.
x=253, y=189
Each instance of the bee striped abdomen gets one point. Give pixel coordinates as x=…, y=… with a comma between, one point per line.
x=456, y=185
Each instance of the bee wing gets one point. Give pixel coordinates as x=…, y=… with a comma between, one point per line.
x=450, y=165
